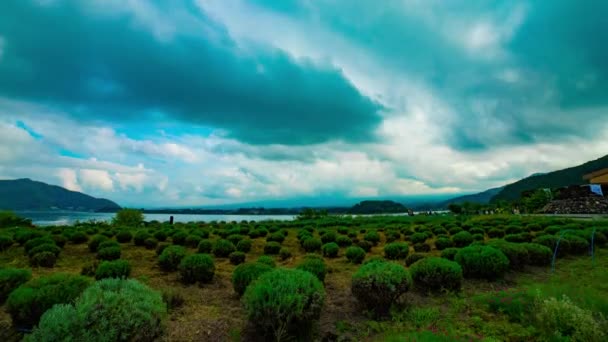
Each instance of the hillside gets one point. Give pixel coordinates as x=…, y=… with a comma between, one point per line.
x=481, y=198
x=26, y=194
x=556, y=179
x=378, y=207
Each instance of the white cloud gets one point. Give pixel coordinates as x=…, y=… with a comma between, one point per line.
x=69, y=179
x=96, y=179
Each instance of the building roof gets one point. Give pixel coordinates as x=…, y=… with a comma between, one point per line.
x=595, y=174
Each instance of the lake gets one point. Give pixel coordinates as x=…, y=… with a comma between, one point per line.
x=63, y=218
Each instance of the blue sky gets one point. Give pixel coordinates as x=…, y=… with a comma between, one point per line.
x=177, y=103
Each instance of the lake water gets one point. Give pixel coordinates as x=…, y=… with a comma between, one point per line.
x=62, y=218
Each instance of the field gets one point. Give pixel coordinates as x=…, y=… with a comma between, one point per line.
x=511, y=302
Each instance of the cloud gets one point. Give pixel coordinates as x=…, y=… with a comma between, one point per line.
x=99, y=179
x=69, y=179
x=121, y=62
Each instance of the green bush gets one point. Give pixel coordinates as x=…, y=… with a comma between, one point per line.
x=124, y=236
x=245, y=274
x=110, y=310
x=284, y=253
x=205, y=246
x=109, y=253
x=378, y=284
x=562, y=320
x=396, y=250
x=372, y=237
x=108, y=243
x=10, y=279
x=95, y=241
x=355, y=254
x=78, y=238
x=267, y=260
x=435, y=274
x=330, y=249
x=418, y=237
x=538, y=255
x=449, y=253
x=29, y=301
x=170, y=258
x=344, y=241
x=22, y=236
x=462, y=239
x=365, y=245
x=443, y=243
x=496, y=233
x=422, y=247
x=244, y=245
x=192, y=240
x=314, y=264
x=113, y=269
x=43, y=259
x=160, y=235
x=45, y=247
x=412, y=258
x=179, y=238
x=35, y=242
x=329, y=237
x=482, y=262
x=276, y=237
x=139, y=239
x=515, y=252
x=197, y=268
x=150, y=243
x=576, y=244
x=272, y=248
x=222, y=248
x=237, y=258
x=161, y=247
x=311, y=245
x=284, y=303
x=517, y=305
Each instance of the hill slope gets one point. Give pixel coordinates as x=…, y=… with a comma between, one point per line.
x=556, y=179
x=26, y=194
x=481, y=198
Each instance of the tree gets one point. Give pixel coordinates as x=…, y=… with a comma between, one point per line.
x=455, y=208
x=128, y=217
x=536, y=201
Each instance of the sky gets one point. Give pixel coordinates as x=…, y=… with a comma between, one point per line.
x=211, y=102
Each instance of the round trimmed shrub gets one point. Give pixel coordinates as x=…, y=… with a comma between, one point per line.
x=372, y=237
x=276, y=237
x=237, y=258
x=35, y=242
x=412, y=258
x=462, y=239
x=78, y=238
x=284, y=253
x=160, y=235
x=496, y=233
x=378, y=284
x=246, y=273
x=205, y=246
x=139, y=239
x=418, y=237
x=95, y=241
x=482, y=262
x=29, y=301
x=344, y=241
x=170, y=258
x=396, y=250
x=355, y=254
x=10, y=279
x=244, y=245
x=267, y=260
x=435, y=274
x=150, y=243
x=443, y=243
x=179, y=238
x=515, y=252
x=330, y=249
x=161, y=247
x=222, y=248
x=422, y=247
x=192, y=241
x=113, y=269
x=365, y=245
x=312, y=245
x=110, y=310
x=284, y=303
x=43, y=259
x=45, y=247
x=5, y=242
x=197, y=267
x=124, y=236
x=538, y=255
x=518, y=238
x=109, y=253
x=329, y=237
x=449, y=253
x=108, y=243
x=314, y=264
x=272, y=248
x=576, y=244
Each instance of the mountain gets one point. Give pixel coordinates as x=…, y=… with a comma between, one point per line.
x=481, y=198
x=26, y=194
x=378, y=207
x=556, y=179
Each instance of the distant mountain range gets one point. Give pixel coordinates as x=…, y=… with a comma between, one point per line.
x=26, y=194
x=556, y=179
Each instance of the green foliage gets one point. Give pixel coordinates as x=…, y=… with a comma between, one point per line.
x=343, y=241
x=330, y=249
x=443, y=243
x=222, y=248
x=35, y=242
x=5, y=242
x=422, y=247
x=173, y=298
x=9, y=219
x=576, y=244
x=285, y=253
x=179, y=238
x=418, y=237
x=43, y=259
x=113, y=269
x=192, y=240
x=45, y=247
x=124, y=236
x=267, y=260
x=237, y=258
x=538, y=255
x=377, y=285
x=517, y=305
x=139, y=239
x=95, y=241
x=246, y=273
x=311, y=245
x=109, y=253
x=150, y=243
x=170, y=258
x=560, y=318
x=355, y=254
x=78, y=238
x=284, y=303
x=372, y=237
x=205, y=246
x=496, y=233
x=515, y=252
x=197, y=268
x=450, y=253
x=435, y=274
x=329, y=237
x=482, y=262
x=128, y=218
x=24, y=235
x=29, y=301
x=365, y=245
x=462, y=239
x=396, y=250
x=276, y=237
x=314, y=264
x=10, y=279
x=110, y=310
x=412, y=258
x=244, y=245
x=272, y=248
